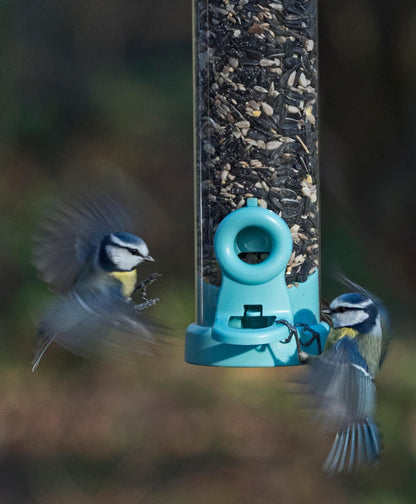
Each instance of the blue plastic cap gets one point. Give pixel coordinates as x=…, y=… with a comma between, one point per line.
x=253, y=229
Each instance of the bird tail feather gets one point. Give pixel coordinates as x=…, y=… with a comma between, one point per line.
x=44, y=340
x=357, y=444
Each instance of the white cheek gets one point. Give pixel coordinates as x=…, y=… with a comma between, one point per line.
x=122, y=258
x=349, y=318
x=142, y=248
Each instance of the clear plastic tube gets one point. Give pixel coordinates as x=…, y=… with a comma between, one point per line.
x=256, y=127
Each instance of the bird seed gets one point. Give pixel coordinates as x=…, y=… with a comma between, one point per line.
x=256, y=121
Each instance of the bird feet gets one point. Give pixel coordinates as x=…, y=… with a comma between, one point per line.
x=303, y=357
x=315, y=337
x=146, y=304
x=142, y=287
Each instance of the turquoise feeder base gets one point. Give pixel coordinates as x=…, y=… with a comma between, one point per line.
x=241, y=322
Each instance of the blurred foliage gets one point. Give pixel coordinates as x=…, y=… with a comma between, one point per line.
x=93, y=88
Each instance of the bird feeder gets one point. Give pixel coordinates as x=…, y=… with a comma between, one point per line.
x=256, y=176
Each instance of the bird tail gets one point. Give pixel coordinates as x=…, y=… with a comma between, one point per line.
x=357, y=444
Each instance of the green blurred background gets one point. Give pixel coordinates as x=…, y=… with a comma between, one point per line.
x=90, y=88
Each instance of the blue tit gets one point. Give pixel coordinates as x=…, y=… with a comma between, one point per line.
x=87, y=253
x=341, y=380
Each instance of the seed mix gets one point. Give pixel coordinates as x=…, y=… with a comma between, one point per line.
x=256, y=121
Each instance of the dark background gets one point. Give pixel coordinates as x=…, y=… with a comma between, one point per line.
x=91, y=88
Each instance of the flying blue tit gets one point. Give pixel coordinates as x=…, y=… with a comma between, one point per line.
x=88, y=254
x=341, y=380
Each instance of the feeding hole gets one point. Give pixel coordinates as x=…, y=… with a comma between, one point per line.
x=253, y=245
x=253, y=318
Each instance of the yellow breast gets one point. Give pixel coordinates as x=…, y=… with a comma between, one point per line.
x=128, y=280
x=336, y=334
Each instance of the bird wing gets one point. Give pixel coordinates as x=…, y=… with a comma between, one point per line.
x=341, y=386
x=96, y=323
x=355, y=445
x=73, y=230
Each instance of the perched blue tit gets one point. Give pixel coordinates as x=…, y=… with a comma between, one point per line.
x=341, y=380
x=87, y=253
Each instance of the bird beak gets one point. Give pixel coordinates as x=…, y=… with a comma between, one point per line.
x=326, y=311
x=149, y=258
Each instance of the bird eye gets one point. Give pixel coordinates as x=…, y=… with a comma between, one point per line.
x=340, y=309
x=134, y=252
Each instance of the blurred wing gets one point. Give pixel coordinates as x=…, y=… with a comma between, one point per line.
x=355, y=445
x=93, y=324
x=341, y=386
x=73, y=230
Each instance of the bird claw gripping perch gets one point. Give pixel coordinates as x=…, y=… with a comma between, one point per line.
x=316, y=336
x=249, y=316
x=303, y=357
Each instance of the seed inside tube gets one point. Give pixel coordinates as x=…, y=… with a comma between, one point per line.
x=256, y=134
